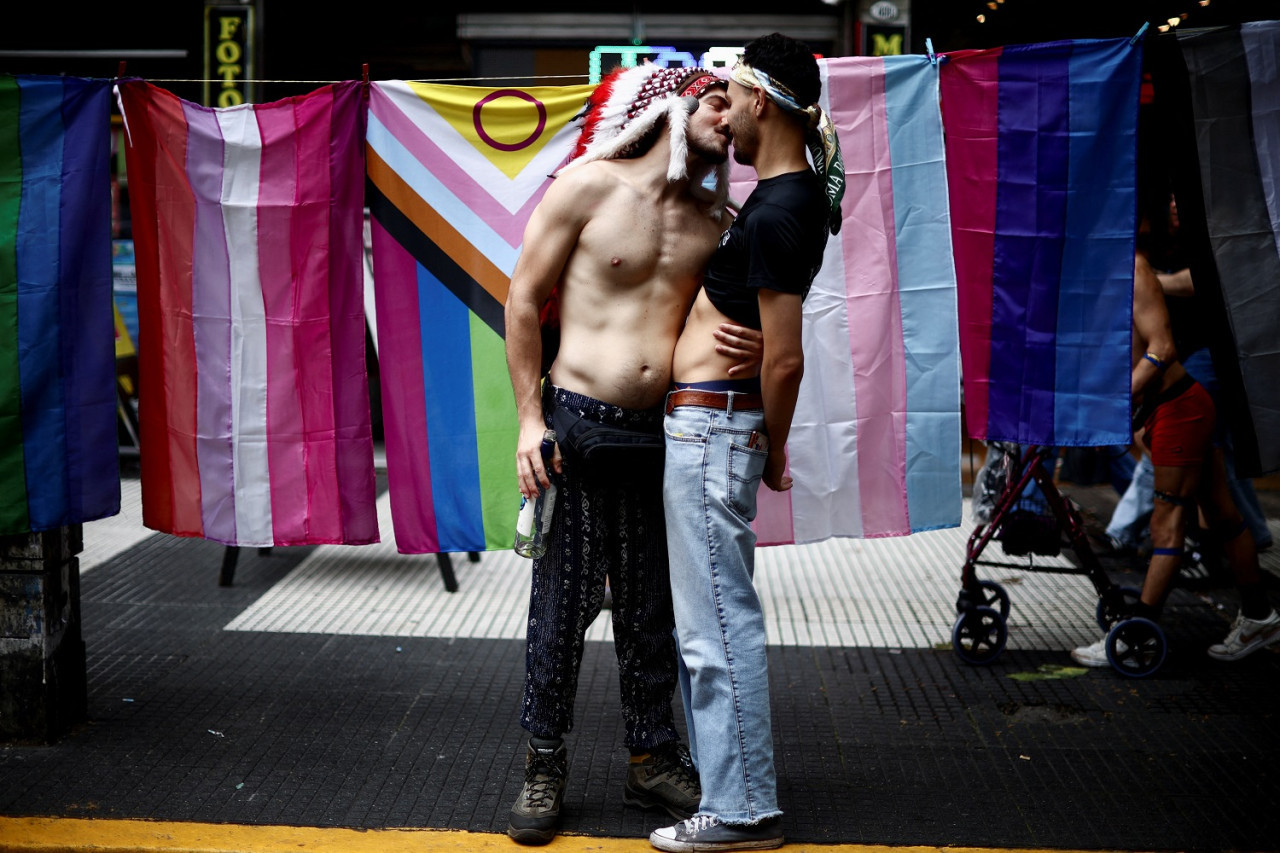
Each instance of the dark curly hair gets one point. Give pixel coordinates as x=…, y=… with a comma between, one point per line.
x=787, y=61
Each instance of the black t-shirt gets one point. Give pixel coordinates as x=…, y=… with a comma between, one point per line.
x=776, y=242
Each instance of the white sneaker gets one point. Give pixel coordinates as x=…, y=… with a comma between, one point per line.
x=1092, y=655
x=1096, y=654
x=1246, y=637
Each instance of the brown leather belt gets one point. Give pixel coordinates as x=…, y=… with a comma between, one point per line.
x=712, y=399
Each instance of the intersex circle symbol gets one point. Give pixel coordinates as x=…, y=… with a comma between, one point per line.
x=510, y=93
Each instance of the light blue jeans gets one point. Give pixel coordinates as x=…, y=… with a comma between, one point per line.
x=709, y=492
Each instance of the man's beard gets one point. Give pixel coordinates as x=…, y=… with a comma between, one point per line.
x=744, y=139
x=708, y=152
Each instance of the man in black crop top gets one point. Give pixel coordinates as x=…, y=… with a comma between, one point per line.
x=733, y=432
x=776, y=243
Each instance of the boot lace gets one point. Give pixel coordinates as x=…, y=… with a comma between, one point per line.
x=541, y=779
x=677, y=765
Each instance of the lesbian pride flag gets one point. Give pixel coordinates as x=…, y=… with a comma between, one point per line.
x=454, y=173
x=1041, y=168
x=58, y=446
x=1224, y=84
x=875, y=440
x=254, y=400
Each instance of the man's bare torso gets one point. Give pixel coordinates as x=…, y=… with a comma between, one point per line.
x=627, y=287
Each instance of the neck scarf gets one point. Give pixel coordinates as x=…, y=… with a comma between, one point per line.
x=821, y=139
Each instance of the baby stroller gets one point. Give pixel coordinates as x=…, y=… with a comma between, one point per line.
x=1028, y=526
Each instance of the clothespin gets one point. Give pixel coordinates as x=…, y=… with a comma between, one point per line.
x=364, y=73
x=928, y=46
x=120, y=69
x=1141, y=31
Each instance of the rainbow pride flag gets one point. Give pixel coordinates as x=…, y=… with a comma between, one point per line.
x=875, y=440
x=454, y=173
x=1224, y=85
x=58, y=445
x=254, y=400
x=1041, y=169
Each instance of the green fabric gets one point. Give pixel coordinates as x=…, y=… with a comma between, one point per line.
x=13, y=480
x=496, y=447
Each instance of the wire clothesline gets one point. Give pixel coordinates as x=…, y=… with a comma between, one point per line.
x=326, y=82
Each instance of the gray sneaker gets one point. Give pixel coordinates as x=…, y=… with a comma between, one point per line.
x=1246, y=637
x=704, y=832
x=665, y=780
x=535, y=818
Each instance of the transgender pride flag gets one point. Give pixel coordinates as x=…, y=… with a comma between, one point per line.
x=875, y=441
x=58, y=447
x=254, y=401
x=454, y=173
x=1041, y=167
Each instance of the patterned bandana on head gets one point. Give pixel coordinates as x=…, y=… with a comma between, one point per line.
x=629, y=103
x=824, y=145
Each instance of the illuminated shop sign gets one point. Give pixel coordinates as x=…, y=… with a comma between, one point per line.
x=228, y=55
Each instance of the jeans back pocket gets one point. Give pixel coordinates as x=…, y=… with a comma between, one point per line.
x=746, y=467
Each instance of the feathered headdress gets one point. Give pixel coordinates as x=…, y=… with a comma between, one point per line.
x=630, y=102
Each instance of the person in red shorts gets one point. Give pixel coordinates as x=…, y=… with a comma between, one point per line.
x=1175, y=420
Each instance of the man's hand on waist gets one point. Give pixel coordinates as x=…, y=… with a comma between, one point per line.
x=742, y=343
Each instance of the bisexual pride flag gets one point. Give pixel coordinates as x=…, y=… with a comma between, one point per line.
x=254, y=399
x=875, y=442
x=1041, y=170
x=1226, y=82
x=454, y=174
x=58, y=445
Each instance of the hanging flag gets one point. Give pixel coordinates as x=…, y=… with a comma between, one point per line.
x=1041, y=170
x=875, y=442
x=1226, y=82
x=58, y=445
x=454, y=173
x=254, y=400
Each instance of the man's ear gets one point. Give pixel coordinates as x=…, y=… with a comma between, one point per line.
x=758, y=100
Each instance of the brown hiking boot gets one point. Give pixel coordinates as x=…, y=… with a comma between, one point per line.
x=665, y=779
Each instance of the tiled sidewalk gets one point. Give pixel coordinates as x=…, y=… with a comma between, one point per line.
x=345, y=688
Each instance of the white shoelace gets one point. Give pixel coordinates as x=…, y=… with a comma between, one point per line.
x=700, y=822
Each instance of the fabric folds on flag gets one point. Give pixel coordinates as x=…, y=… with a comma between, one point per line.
x=1233, y=171
x=454, y=174
x=254, y=400
x=1041, y=168
x=58, y=445
x=875, y=442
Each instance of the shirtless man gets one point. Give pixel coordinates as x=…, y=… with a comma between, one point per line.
x=1176, y=422
x=622, y=235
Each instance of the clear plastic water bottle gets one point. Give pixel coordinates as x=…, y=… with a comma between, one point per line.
x=534, y=522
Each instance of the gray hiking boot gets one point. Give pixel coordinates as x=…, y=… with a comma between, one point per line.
x=666, y=780
x=535, y=818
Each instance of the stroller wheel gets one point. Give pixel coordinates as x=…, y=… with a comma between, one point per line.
x=1136, y=647
x=979, y=635
x=984, y=594
x=1115, y=604
x=994, y=596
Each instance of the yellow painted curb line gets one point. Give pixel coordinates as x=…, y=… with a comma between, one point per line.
x=74, y=835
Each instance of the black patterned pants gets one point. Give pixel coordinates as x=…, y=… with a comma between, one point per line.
x=606, y=525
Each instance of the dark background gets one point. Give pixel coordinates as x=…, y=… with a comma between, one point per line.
x=309, y=41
